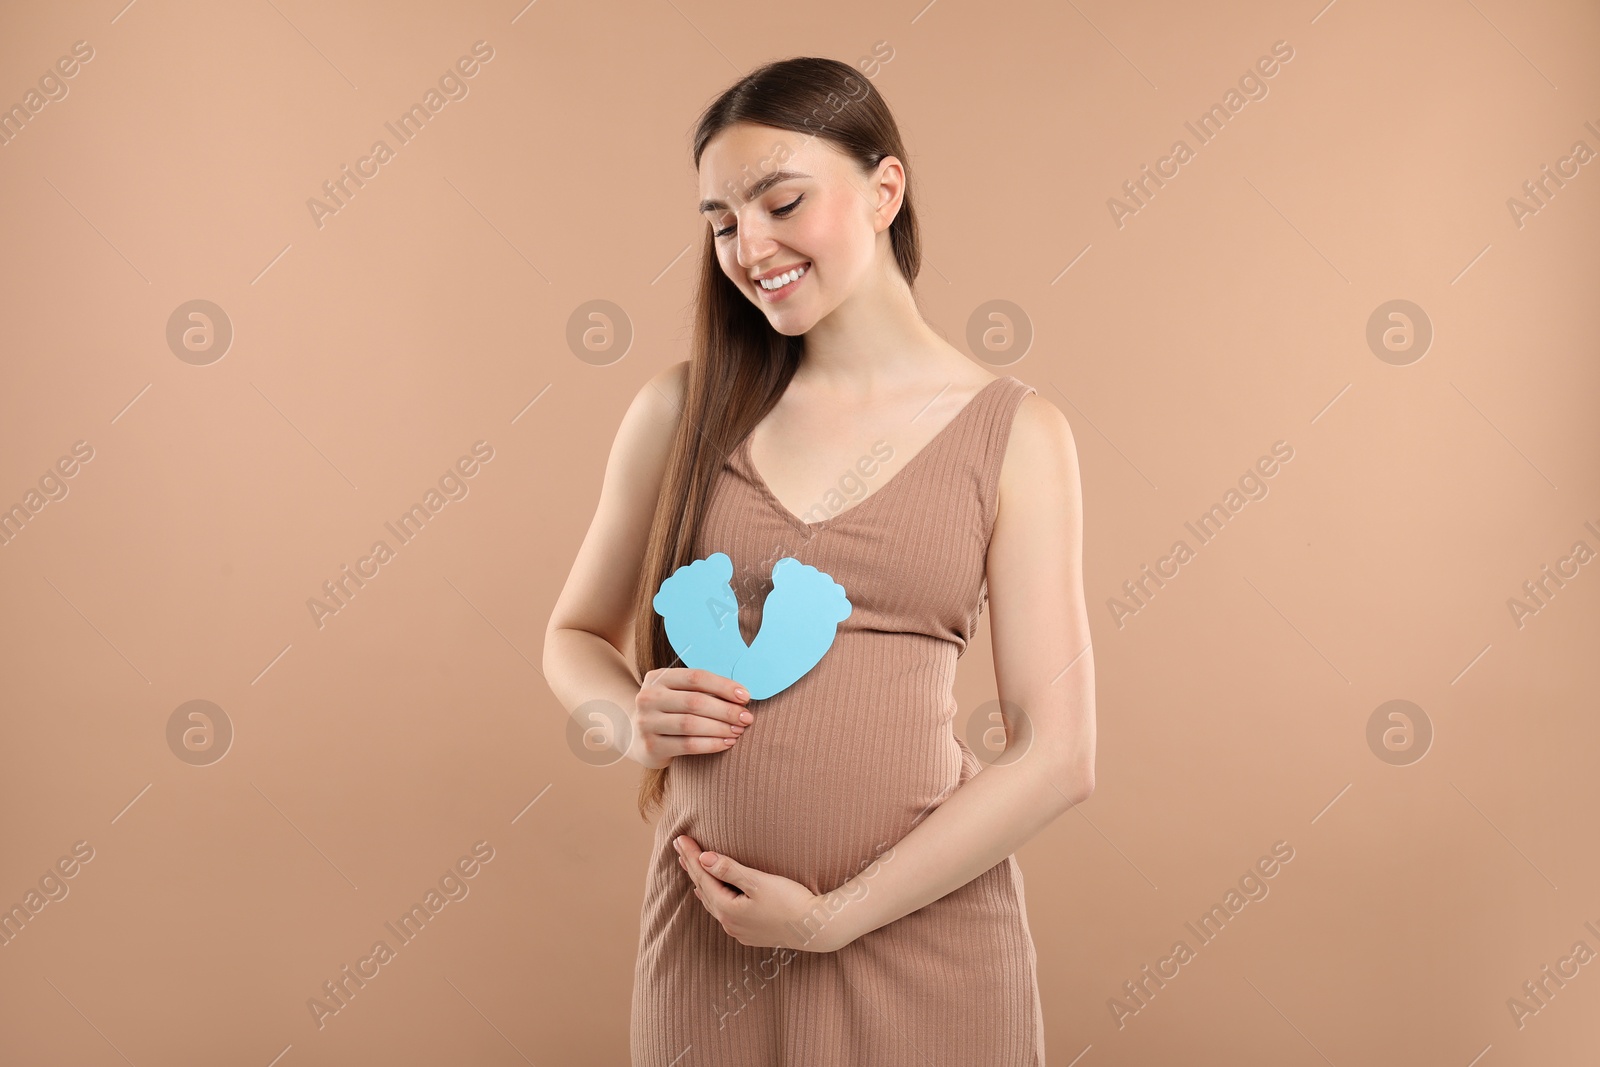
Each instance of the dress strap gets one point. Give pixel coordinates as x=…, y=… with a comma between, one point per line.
x=994, y=430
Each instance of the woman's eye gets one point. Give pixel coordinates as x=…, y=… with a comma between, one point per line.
x=784, y=210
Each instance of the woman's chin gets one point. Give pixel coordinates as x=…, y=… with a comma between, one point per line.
x=790, y=325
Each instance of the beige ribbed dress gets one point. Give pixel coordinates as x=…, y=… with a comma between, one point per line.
x=834, y=771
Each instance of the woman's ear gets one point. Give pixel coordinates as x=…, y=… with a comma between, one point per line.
x=887, y=192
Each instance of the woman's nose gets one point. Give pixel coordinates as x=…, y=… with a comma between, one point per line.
x=755, y=246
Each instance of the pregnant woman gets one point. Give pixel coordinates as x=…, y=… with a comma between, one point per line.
x=833, y=879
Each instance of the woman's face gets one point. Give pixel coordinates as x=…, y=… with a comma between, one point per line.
x=821, y=217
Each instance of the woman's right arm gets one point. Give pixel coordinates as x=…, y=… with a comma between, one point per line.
x=588, y=639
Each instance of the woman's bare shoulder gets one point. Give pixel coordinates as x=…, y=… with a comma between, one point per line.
x=598, y=595
x=671, y=384
x=652, y=419
x=1040, y=451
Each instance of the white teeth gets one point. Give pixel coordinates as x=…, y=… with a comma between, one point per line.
x=784, y=279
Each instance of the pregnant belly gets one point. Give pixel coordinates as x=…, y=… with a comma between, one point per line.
x=816, y=793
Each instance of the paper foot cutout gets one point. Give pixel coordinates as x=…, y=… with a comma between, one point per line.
x=799, y=620
x=702, y=615
x=798, y=623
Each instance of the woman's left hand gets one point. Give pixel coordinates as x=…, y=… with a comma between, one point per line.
x=770, y=911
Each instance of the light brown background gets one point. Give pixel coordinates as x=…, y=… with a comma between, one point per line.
x=434, y=308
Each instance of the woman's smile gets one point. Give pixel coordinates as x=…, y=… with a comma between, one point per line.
x=781, y=292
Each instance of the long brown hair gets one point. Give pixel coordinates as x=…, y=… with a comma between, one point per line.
x=739, y=365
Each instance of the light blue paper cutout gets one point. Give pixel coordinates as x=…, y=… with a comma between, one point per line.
x=798, y=622
x=702, y=615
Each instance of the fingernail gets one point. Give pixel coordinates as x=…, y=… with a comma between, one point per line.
x=737, y=730
x=742, y=693
x=746, y=717
x=709, y=857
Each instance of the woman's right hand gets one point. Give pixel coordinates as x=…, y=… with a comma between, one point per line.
x=684, y=710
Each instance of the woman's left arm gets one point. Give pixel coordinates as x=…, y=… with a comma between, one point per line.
x=1044, y=669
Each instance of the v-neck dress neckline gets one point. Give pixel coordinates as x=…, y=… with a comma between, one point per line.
x=944, y=433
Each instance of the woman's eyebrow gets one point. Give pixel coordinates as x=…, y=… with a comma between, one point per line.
x=760, y=186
